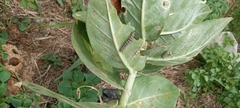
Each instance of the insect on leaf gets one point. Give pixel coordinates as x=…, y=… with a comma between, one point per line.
x=108, y=36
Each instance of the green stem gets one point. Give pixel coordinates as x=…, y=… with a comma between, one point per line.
x=127, y=89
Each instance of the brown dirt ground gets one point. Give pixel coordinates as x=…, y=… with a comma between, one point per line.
x=35, y=42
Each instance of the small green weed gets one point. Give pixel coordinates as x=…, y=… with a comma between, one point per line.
x=4, y=76
x=23, y=24
x=219, y=75
x=60, y=2
x=76, y=5
x=3, y=37
x=219, y=8
x=30, y=3
x=23, y=99
x=15, y=19
x=51, y=60
x=34, y=4
x=234, y=25
x=77, y=86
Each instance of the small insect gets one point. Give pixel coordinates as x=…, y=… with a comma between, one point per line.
x=127, y=42
x=166, y=53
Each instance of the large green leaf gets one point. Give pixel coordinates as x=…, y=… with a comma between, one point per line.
x=146, y=16
x=61, y=98
x=108, y=35
x=153, y=92
x=180, y=4
x=100, y=68
x=190, y=43
x=150, y=69
x=183, y=18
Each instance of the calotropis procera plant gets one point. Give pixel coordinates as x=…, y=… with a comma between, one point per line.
x=166, y=32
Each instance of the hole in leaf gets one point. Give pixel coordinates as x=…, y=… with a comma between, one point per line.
x=123, y=9
x=203, y=1
x=117, y=5
x=165, y=4
x=14, y=61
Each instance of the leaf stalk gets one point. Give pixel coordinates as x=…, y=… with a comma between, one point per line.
x=127, y=89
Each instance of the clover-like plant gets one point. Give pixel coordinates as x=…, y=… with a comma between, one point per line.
x=147, y=36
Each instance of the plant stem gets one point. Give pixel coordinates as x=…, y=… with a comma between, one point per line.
x=127, y=89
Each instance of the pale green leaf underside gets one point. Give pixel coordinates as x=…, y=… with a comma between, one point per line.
x=190, y=43
x=150, y=69
x=180, y=4
x=80, y=45
x=153, y=92
x=146, y=16
x=61, y=98
x=182, y=19
x=107, y=35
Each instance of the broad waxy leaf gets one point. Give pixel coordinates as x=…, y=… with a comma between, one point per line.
x=150, y=69
x=183, y=18
x=108, y=35
x=190, y=43
x=153, y=92
x=81, y=47
x=180, y=4
x=146, y=16
x=168, y=32
x=61, y=98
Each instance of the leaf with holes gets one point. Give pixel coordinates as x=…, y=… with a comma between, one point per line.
x=190, y=43
x=181, y=19
x=146, y=16
x=166, y=33
x=108, y=35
